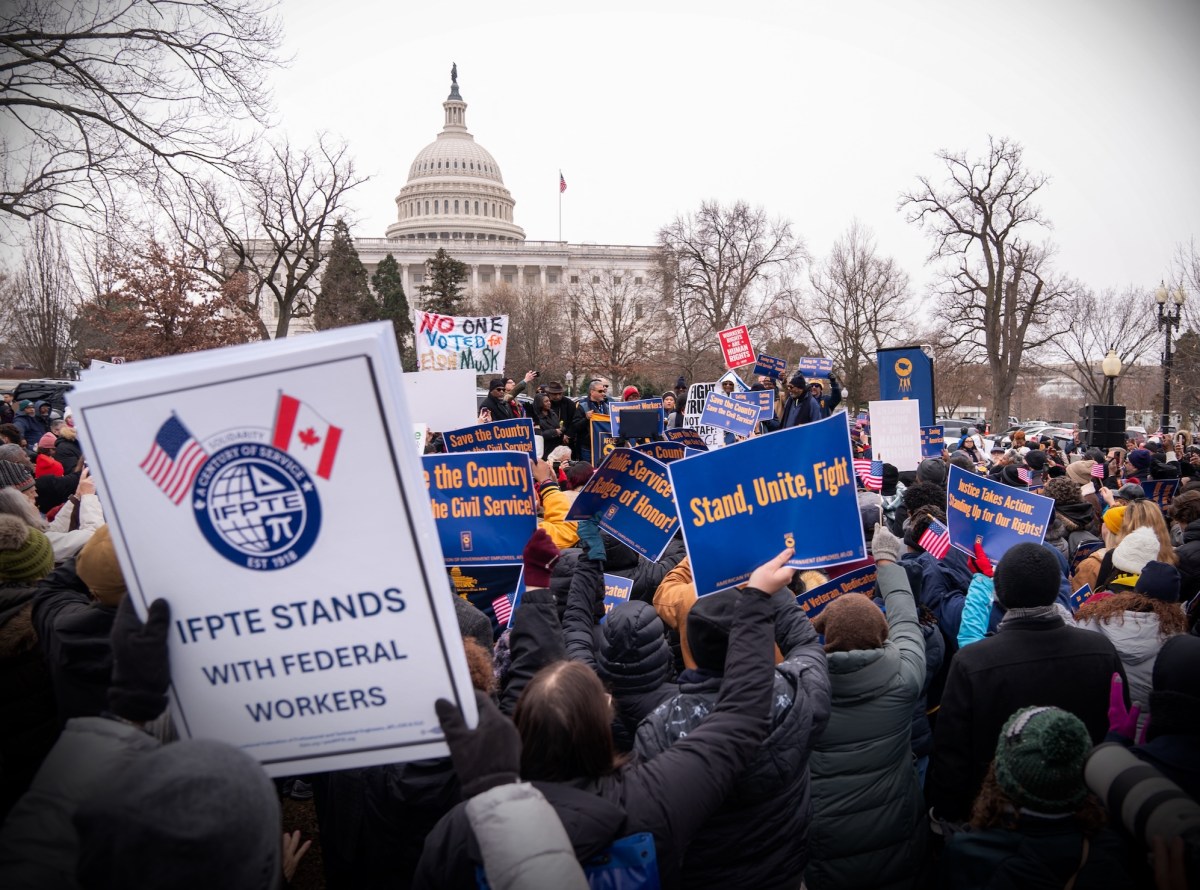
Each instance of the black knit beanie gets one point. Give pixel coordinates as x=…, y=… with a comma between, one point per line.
x=1027, y=575
x=1175, y=689
x=708, y=625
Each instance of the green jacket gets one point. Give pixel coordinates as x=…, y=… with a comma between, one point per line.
x=868, y=813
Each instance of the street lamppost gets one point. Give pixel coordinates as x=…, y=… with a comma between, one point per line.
x=1111, y=366
x=570, y=378
x=1168, y=320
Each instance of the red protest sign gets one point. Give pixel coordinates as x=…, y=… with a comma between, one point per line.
x=735, y=344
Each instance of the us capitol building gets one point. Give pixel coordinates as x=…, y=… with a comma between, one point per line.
x=455, y=198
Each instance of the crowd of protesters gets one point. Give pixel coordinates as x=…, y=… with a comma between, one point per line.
x=934, y=733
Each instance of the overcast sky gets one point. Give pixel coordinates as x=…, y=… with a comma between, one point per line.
x=819, y=111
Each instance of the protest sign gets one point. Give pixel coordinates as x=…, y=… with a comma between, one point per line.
x=632, y=494
x=616, y=591
x=601, y=437
x=735, y=346
x=447, y=343
x=739, y=385
x=311, y=626
x=740, y=506
x=763, y=398
x=814, y=601
x=770, y=366
x=1080, y=596
x=907, y=373
x=685, y=435
x=515, y=434
x=1002, y=515
x=638, y=405
x=933, y=440
x=420, y=436
x=1161, y=491
x=729, y=414
x=483, y=504
x=665, y=452
x=815, y=366
x=896, y=433
x=445, y=401
x=490, y=589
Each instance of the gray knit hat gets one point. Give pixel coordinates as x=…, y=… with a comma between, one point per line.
x=473, y=624
x=17, y=476
x=1039, y=759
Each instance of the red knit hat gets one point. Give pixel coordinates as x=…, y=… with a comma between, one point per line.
x=630, y=393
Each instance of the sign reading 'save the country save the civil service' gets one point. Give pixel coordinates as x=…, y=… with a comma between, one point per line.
x=311, y=621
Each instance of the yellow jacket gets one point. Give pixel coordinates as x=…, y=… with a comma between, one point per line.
x=554, y=522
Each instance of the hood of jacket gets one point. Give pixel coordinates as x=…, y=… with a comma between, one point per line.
x=634, y=655
x=862, y=674
x=1192, y=531
x=1075, y=516
x=1135, y=635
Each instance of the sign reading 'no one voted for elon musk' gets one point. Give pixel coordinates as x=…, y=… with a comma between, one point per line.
x=740, y=505
x=314, y=627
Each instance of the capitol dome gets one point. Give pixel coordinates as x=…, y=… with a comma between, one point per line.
x=454, y=189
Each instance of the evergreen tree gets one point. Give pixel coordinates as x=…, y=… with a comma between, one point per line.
x=444, y=293
x=393, y=307
x=345, y=296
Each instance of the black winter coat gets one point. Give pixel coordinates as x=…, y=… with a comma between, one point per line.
x=1189, y=561
x=501, y=409
x=670, y=796
x=1028, y=661
x=74, y=631
x=67, y=453
x=759, y=835
x=620, y=561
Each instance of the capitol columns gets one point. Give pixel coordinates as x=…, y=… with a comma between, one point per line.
x=542, y=277
x=475, y=278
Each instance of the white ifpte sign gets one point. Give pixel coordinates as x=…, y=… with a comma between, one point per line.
x=896, y=433
x=312, y=623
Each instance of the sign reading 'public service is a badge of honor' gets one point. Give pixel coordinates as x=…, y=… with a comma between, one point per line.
x=311, y=619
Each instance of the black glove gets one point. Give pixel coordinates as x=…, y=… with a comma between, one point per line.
x=833, y=384
x=486, y=756
x=141, y=670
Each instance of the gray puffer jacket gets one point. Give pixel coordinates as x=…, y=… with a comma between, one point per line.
x=867, y=804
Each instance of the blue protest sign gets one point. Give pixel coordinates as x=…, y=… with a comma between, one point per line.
x=1083, y=551
x=815, y=366
x=500, y=435
x=601, y=437
x=483, y=505
x=1080, y=596
x=665, y=452
x=685, y=435
x=632, y=493
x=907, y=373
x=490, y=589
x=933, y=440
x=1002, y=515
x=763, y=398
x=814, y=601
x=1161, y=491
x=770, y=366
x=739, y=506
x=616, y=591
x=729, y=414
x=639, y=404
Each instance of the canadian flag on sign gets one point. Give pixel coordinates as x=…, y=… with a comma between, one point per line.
x=306, y=435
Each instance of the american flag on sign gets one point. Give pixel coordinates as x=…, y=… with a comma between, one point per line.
x=1098, y=470
x=562, y=183
x=174, y=459
x=936, y=540
x=1024, y=475
x=502, y=608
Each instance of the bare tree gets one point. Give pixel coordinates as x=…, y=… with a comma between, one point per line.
x=859, y=303
x=1089, y=325
x=621, y=327
x=726, y=266
x=38, y=303
x=273, y=229
x=999, y=288
x=535, y=328
x=98, y=97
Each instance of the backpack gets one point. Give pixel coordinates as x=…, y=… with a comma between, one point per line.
x=629, y=863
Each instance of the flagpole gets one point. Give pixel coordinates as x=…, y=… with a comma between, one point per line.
x=560, y=191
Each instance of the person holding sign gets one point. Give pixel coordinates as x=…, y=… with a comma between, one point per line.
x=596, y=403
x=827, y=403
x=877, y=673
x=564, y=721
x=496, y=406
x=798, y=408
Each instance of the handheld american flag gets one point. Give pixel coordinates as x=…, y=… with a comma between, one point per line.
x=873, y=481
x=1024, y=475
x=936, y=540
x=502, y=608
x=1099, y=471
x=174, y=459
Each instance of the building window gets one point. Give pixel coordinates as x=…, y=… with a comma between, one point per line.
x=552, y=278
x=508, y=279
x=637, y=310
x=456, y=207
x=427, y=207
x=574, y=279
x=638, y=280
x=477, y=208
x=616, y=279
x=595, y=279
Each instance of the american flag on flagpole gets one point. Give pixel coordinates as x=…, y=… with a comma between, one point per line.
x=502, y=608
x=936, y=540
x=562, y=183
x=174, y=459
x=1098, y=470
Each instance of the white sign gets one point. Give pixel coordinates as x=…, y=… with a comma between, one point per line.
x=445, y=342
x=312, y=623
x=896, y=433
x=444, y=401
